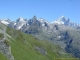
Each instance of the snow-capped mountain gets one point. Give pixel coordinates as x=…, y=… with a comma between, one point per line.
x=61, y=32
x=61, y=20
x=21, y=22
x=64, y=21
x=43, y=21
x=5, y=21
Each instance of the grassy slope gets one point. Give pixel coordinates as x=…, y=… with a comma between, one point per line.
x=22, y=46
x=2, y=57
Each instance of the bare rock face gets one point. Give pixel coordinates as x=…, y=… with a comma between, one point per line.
x=6, y=49
x=41, y=50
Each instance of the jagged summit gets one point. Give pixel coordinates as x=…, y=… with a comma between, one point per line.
x=62, y=18
x=65, y=21
x=21, y=21
x=34, y=18
x=5, y=21
x=42, y=20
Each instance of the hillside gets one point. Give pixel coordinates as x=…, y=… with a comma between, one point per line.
x=16, y=45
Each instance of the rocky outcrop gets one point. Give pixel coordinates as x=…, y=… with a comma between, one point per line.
x=41, y=50
x=6, y=49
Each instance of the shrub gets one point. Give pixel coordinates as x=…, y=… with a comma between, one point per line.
x=1, y=36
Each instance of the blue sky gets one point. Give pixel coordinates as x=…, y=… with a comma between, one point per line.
x=47, y=9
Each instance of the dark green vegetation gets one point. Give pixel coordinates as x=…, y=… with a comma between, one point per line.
x=2, y=57
x=26, y=47
x=1, y=36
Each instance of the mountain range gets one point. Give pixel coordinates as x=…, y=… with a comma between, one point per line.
x=61, y=33
x=20, y=22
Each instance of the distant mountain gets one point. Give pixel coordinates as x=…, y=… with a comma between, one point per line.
x=20, y=22
x=61, y=32
x=16, y=45
x=5, y=21
x=65, y=21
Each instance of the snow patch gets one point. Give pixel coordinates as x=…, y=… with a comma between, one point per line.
x=4, y=22
x=59, y=37
x=20, y=26
x=58, y=22
x=27, y=24
x=14, y=23
x=21, y=19
x=43, y=24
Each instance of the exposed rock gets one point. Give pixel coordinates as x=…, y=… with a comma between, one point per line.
x=6, y=49
x=41, y=50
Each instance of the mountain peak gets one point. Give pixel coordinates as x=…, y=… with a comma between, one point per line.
x=62, y=18
x=34, y=18
x=20, y=19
